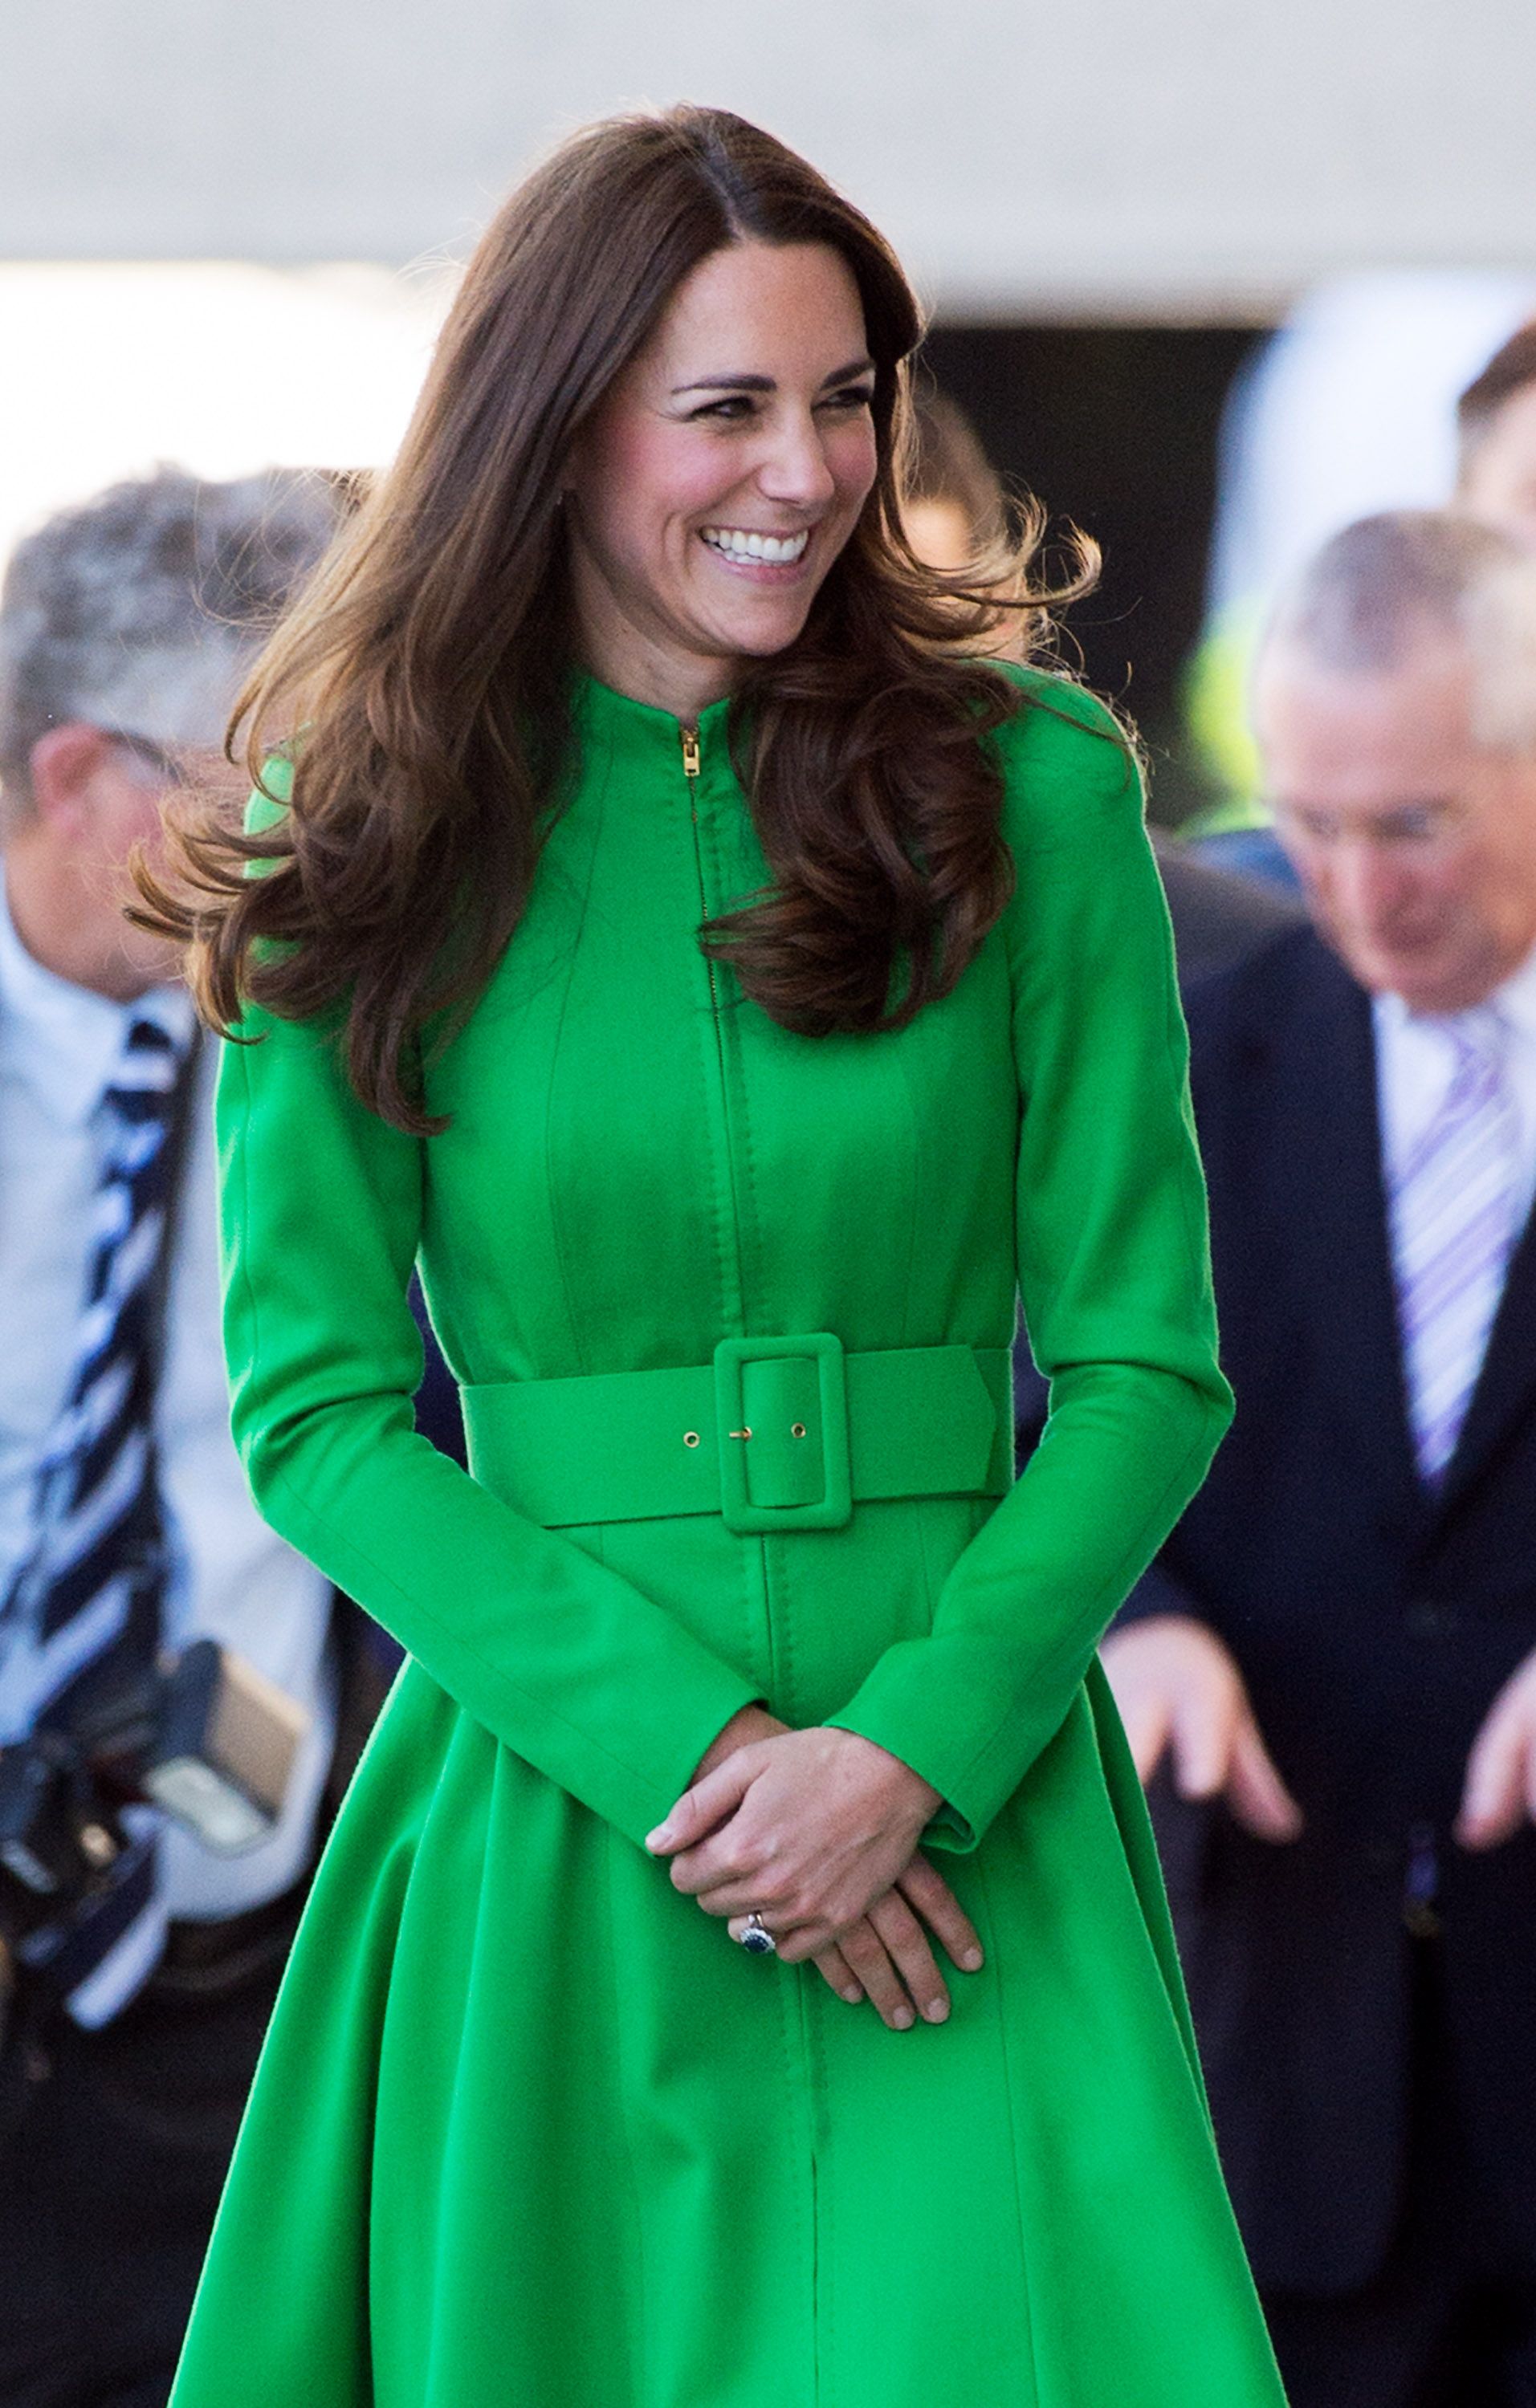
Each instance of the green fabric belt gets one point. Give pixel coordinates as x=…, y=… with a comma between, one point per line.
x=776, y=1434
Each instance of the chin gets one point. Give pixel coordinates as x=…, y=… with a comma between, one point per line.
x=1423, y=990
x=761, y=637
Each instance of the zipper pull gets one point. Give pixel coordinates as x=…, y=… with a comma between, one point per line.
x=690, y=751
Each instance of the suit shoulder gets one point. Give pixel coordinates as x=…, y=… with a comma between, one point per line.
x=1256, y=995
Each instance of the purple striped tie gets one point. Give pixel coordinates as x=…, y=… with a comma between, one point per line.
x=1455, y=1207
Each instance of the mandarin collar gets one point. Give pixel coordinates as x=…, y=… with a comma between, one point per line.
x=640, y=733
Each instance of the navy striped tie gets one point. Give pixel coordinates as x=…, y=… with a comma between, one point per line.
x=84, y=1613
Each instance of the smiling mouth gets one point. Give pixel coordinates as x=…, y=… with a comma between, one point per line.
x=745, y=546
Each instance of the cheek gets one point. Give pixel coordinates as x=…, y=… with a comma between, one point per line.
x=645, y=477
x=1454, y=894
x=134, y=821
x=1310, y=867
x=852, y=456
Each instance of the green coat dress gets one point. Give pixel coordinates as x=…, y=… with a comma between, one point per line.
x=530, y=2131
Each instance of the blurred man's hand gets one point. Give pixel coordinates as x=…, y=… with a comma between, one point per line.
x=1501, y=1789
x=1180, y=1694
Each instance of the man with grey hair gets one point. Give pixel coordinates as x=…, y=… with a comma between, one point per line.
x=136, y=1960
x=1334, y=1658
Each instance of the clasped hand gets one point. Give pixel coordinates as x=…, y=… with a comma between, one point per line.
x=817, y=1831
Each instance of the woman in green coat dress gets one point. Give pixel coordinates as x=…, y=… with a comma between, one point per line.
x=733, y=991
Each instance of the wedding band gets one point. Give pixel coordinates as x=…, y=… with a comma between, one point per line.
x=757, y=1940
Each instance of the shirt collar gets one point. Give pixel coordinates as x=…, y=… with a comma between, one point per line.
x=1514, y=1002
x=64, y=1040
x=1517, y=1000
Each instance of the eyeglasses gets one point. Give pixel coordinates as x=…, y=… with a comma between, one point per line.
x=1411, y=828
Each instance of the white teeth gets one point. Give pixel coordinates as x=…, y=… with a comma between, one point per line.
x=745, y=543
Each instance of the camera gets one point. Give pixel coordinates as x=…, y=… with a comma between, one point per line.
x=205, y=1737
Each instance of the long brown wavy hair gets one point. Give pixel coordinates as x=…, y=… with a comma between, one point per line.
x=420, y=686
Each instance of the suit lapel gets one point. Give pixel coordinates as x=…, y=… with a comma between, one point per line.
x=1336, y=1212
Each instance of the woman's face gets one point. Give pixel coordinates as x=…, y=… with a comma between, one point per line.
x=723, y=474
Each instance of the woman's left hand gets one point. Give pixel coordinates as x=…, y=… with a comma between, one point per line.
x=808, y=1830
x=888, y=1957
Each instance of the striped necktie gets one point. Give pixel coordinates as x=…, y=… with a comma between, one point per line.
x=84, y=1613
x=1455, y=1210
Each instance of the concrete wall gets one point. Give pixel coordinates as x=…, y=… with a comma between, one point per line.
x=1175, y=157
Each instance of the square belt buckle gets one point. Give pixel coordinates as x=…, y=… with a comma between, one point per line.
x=835, y=1505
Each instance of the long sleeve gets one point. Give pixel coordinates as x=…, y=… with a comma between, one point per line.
x=566, y=1662
x=1114, y=1277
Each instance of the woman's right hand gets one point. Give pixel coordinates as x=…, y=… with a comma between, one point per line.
x=884, y=1956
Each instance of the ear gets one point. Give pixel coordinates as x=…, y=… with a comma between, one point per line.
x=64, y=766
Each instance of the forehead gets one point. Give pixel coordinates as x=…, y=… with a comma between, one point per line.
x=1366, y=738
x=757, y=307
x=1511, y=433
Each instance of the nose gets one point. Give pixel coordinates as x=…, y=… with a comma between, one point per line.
x=1366, y=887
x=796, y=469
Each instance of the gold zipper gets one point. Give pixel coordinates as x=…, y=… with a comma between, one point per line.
x=688, y=737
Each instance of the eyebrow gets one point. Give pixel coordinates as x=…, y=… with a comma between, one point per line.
x=765, y=384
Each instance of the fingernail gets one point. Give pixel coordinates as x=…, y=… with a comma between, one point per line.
x=903, y=2019
x=852, y=1996
x=938, y=2012
x=971, y=1961
x=659, y=1837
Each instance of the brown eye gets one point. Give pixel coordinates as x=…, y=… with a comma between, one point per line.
x=731, y=407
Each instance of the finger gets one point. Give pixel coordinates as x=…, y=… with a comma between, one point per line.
x=906, y=1946
x=1201, y=1735
x=730, y=1893
x=1254, y=1791
x=838, y=1975
x=924, y=1886
x=702, y=1808
x=737, y=1924
x=804, y=1942
x=1147, y=1724
x=1497, y=1774
x=866, y=1953
x=730, y=1867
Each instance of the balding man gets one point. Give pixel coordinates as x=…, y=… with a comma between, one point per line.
x=1337, y=1649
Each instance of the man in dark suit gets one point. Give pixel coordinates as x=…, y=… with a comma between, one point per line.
x=1219, y=917
x=1335, y=1656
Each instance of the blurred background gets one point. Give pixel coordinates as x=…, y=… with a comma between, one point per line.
x=1206, y=278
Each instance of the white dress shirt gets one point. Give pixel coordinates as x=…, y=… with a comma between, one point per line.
x=237, y=1580
x=1416, y=1059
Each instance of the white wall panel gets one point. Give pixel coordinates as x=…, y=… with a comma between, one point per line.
x=1025, y=155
